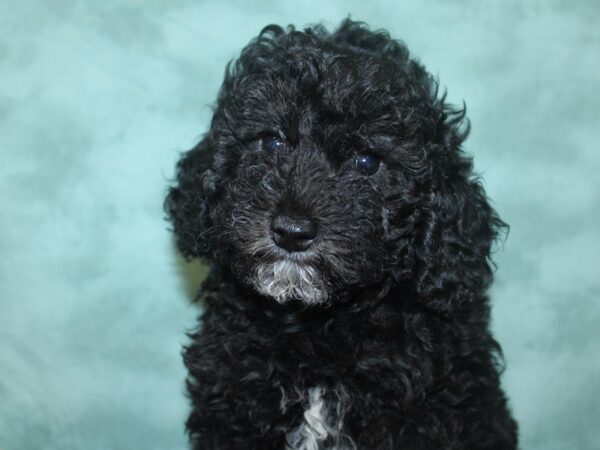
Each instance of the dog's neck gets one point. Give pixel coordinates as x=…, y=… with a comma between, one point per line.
x=383, y=302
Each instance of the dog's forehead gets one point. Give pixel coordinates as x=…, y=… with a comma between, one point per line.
x=344, y=84
x=335, y=90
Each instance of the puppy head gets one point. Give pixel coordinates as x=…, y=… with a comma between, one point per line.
x=330, y=166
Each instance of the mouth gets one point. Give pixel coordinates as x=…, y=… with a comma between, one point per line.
x=287, y=279
x=266, y=249
x=285, y=274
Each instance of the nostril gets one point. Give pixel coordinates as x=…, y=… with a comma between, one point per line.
x=293, y=234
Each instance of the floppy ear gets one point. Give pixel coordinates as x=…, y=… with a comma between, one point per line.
x=188, y=203
x=458, y=226
x=455, y=241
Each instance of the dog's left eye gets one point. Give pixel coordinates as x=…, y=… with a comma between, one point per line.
x=367, y=164
x=272, y=143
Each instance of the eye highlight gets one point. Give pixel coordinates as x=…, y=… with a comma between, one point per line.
x=272, y=143
x=367, y=164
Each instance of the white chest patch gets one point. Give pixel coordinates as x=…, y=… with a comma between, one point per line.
x=322, y=426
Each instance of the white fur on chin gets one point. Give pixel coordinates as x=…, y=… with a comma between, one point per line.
x=284, y=280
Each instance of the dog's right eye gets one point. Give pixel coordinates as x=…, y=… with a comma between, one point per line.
x=272, y=143
x=367, y=164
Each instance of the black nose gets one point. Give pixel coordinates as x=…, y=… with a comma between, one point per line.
x=293, y=235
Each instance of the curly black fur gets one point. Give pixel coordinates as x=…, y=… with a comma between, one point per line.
x=392, y=345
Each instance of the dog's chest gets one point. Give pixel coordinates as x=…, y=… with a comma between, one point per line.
x=322, y=425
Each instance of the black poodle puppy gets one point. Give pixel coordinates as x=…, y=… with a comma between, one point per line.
x=349, y=245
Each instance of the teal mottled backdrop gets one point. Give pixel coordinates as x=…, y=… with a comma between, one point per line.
x=97, y=99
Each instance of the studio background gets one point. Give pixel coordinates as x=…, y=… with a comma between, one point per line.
x=98, y=99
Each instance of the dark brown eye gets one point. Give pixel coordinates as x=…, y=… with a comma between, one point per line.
x=272, y=144
x=367, y=164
